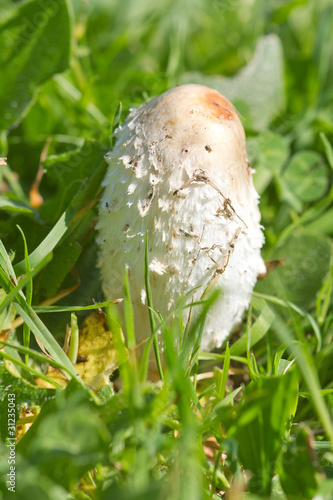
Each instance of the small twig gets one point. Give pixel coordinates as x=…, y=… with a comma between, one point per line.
x=222, y=266
x=201, y=176
x=43, y=348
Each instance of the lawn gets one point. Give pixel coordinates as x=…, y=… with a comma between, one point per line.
x=253, y=418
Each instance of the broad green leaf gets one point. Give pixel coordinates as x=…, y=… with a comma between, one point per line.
x=306, y=263
x=24, y=393
x=322, y=224
x=292, y=307
x=71, y=173
x=82, y=200
x=282, y=13
x=299, y=468
x=305, y=362
x=64, y=258
x=14, y=206
x=257, y=90
x=35, y=44
x=305, y=179
x=29, y=481
x=325, y=489
x=219, y=409
x=68, y=437
x=283, y=366
x=154, y=489
x=267, y=154
x=260, y=422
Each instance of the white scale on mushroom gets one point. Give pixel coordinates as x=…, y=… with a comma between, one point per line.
x=179, y=170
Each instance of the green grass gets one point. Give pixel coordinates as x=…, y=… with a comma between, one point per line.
x=250, y=420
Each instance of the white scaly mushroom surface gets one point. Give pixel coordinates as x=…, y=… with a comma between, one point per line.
x=179, y=169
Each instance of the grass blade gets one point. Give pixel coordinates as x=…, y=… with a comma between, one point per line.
x=53, y=309
x=305, y=364
x=258, y=330
x=74, y=340
x=299, y=310
x=29, y=369
x=23, y=282
x=222, y=385
x=29, y=289
x=150, y=308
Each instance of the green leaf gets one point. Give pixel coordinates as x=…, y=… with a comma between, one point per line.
x=24, y=368
x=257, y=90
x=151, y=318
x=24, y=393
x=39, y=329
x=258, y=330
x=128, y=312
x=35, y=44
x=260, y=422
x=305, y=362
x=299, y=468
x=6, y=264
x=23, y=282
x=325, y=489
x=267, y=154
x=305, y=179
x=324, y=297
x=53, y=309
x=67, y=438
x=328, y=149
x=221, y=376
x=7, y=314
x=219, y=409
x=29, y=482
x=44, y=336
x=36, y=355
x=29, y=291
x=292, y=307
x=306, y=264
x=71, y=173
x=323, y=224
x=82, y=200
x=64, y=258
x=13, y=206
x=74, y=340
x=282, y=13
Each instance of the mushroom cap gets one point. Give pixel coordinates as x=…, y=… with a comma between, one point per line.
x=179, y=170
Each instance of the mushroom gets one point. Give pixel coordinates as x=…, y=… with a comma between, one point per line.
x=179, y=170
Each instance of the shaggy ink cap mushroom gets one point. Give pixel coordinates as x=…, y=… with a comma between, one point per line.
x=179, y=170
